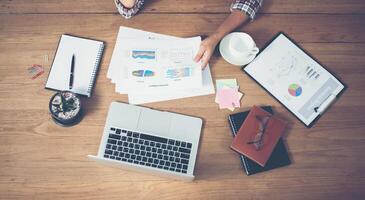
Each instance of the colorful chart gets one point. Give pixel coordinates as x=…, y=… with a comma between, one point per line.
x=295, y=90
x=149, y=55
x=179, y=73
x=143, y=73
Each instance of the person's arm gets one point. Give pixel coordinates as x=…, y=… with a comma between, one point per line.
x=241, y=11
x=208, y=45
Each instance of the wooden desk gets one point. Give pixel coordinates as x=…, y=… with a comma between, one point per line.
x=40, y=160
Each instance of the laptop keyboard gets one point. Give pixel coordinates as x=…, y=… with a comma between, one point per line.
x=148, y=150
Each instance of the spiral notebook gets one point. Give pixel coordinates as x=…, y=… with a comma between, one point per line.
x=87, y=55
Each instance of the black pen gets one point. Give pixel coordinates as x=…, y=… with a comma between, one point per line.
x=72, y=72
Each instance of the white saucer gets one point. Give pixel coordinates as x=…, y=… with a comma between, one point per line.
x=224, y=50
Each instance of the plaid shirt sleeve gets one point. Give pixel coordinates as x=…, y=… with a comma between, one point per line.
x=129, y=12
x=250, y=7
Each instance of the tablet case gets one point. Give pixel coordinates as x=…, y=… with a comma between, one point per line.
x=278, y=158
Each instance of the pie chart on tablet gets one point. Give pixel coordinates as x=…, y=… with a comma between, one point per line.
x=295, y=90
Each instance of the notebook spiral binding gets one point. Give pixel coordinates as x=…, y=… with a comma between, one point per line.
x=96, y=67
x=243, y=159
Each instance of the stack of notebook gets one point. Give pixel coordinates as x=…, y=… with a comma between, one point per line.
x=278, y=158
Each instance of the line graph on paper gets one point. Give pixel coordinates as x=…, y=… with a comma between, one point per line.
x=285, y=67
x=292, y=66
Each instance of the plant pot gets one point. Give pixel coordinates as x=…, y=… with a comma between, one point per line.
x=65, y=108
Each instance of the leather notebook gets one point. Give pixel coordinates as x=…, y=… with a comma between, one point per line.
x=258, y=135
x=278, y=158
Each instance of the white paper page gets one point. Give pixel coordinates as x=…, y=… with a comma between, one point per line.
x=116, y=72
x=124, y=32
x=208, y=88
x=156, y=66
x=86, y=53
x=295, y=79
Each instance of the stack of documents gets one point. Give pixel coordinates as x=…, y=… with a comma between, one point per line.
x=228, y=95
x=152, y=67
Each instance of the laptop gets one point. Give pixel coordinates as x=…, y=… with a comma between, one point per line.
x=147, y=140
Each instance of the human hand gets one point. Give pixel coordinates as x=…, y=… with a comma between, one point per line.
x=206, y=50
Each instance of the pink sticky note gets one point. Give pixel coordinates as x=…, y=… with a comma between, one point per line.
x=224, y=87
x=240, y=95
x=228, y=98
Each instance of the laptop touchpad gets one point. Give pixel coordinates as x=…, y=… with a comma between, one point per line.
x=154, y=122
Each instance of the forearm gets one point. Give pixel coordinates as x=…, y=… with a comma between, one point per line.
x=241, y=12
x=235, y=19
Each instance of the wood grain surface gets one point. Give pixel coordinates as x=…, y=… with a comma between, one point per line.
x=40, y=160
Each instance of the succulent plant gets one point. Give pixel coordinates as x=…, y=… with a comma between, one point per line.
x=67, y=104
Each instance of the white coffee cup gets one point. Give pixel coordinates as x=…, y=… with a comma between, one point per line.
x=238, y=48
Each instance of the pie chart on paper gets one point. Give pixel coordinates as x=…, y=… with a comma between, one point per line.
x=295, y=90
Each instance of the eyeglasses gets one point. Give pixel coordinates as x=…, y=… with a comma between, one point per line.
x=258, y=142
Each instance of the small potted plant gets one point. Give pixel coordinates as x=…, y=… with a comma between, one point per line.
x=65, y=108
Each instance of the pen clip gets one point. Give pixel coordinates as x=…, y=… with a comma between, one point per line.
x=325, y=104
